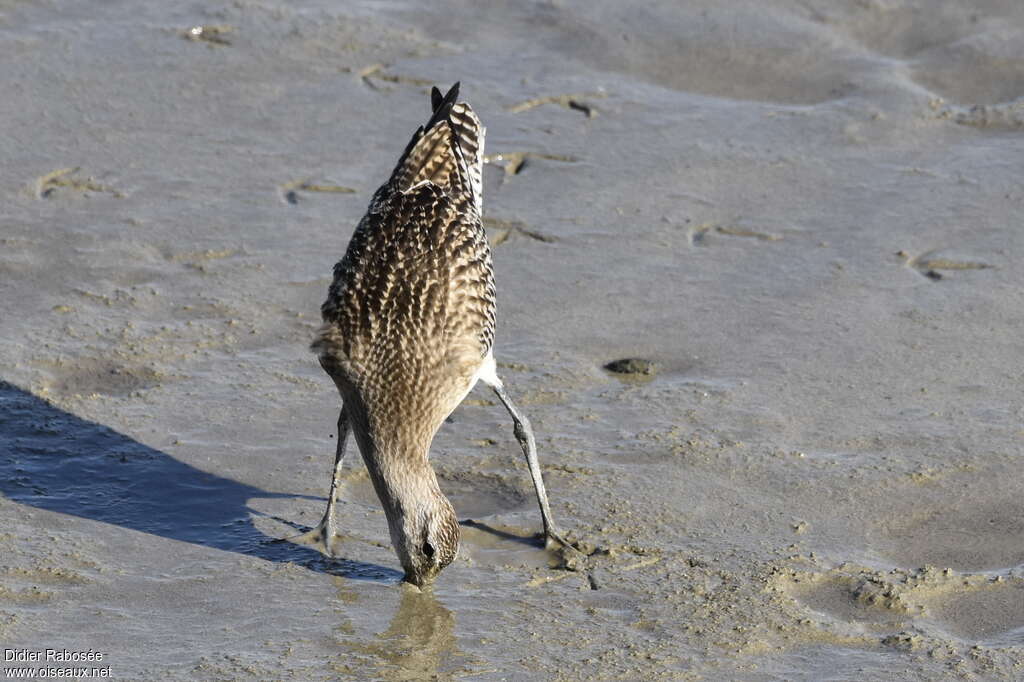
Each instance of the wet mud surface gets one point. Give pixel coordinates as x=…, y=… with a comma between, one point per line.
x=758, y=295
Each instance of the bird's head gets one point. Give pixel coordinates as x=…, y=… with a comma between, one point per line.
x=425, y=535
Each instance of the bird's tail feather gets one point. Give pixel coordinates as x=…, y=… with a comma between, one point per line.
x=469, y=134
x=447, y=151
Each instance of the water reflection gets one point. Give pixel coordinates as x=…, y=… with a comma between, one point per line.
x=419, y=643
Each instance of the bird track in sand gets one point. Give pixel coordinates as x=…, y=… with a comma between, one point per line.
x=50, y=185
x=576, y=102
x=290, y=190
x=501, y=230
x=930, y=266
x=697, y=234
x=375, y=72
x=214, y=35
x=513, y=163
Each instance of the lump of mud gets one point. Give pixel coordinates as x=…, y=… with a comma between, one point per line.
x=632, y=366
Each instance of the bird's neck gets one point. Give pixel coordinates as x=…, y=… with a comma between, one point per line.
x=403, y=477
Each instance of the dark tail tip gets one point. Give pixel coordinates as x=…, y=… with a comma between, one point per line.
x=437, y=101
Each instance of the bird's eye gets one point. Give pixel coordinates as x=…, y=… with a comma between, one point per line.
x=428, y=550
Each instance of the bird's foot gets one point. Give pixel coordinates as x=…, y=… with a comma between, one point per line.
x=553, y=539
x=323, y=538
x=572, y=557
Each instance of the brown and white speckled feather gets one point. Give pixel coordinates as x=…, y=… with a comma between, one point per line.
x=411, y=311
x=470, y=135
x=409, y=318
x=448, y=152
x=413, y=298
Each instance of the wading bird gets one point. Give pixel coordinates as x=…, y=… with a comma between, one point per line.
x=408, y=329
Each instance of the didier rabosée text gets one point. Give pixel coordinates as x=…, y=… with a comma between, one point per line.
x=52, y=655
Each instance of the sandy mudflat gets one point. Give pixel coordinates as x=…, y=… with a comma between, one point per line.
x=805, y=214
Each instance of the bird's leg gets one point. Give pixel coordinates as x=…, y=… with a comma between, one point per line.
x=524, y=434
x=323, y=535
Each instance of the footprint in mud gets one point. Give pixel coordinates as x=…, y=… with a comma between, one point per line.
x=66, y=181
x=370, y=75
x=290, y=191
x=576, y=102
x=992, y=614
x=210, y=34
x=932, y=265
x=501, y=231
x=514, y=163
x=698, y=234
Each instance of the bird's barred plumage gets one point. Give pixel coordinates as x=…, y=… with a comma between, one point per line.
x=410, y=314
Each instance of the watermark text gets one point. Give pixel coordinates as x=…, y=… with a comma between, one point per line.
x=79, y=664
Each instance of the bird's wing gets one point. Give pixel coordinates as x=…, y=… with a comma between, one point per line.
x=447, y=151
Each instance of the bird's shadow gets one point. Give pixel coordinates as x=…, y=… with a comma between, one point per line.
x=535, y=540
x=53, y=460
